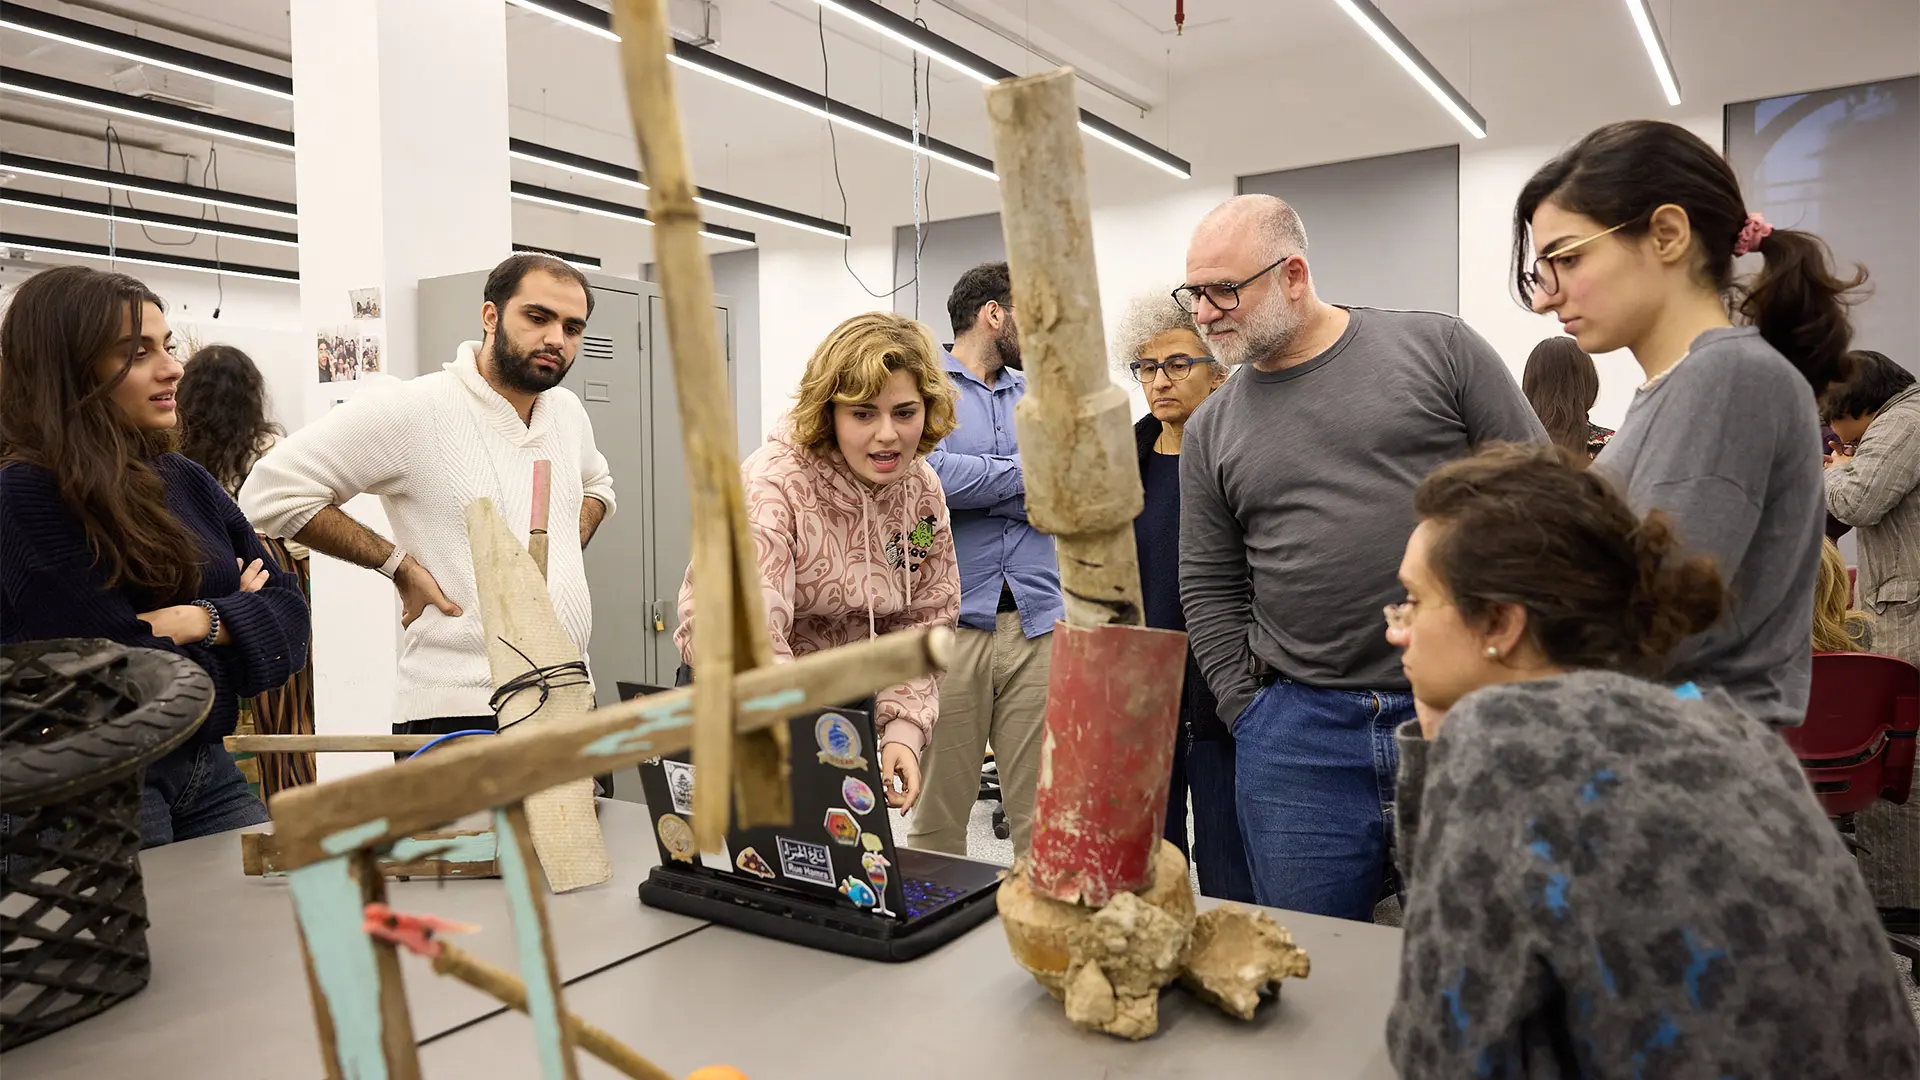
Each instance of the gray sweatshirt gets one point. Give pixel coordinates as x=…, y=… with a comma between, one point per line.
x=1609, y=878
x=1296, y=496
x=1728, y=444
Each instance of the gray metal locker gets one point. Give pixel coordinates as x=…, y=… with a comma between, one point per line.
x=624, y=375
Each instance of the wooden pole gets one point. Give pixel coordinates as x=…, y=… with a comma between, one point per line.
x=325, y=744
x=730, y=633
x=537, y=532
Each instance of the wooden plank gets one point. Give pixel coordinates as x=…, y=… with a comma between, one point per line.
x=322, y=1015
x=316, y=821
x=537, y=532
x=396, y=1023
x=348, y=1006
x=325, y=744
x=523, y=633
x=554, y=1038
x=730, y=633
x=433, y=854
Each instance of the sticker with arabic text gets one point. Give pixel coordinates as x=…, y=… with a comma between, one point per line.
x=803, y=860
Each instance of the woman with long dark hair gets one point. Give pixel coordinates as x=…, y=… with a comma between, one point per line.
x=111, y=535
x=1562, y=384
x=222, y=405
x=1630, y=237
x=1604, y=870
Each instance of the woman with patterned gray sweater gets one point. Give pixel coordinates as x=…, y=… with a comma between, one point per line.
x=1606, y=876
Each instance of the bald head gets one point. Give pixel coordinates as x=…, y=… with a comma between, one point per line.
x=1264, y=220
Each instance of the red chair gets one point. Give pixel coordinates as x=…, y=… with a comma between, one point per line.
x=1857, y=744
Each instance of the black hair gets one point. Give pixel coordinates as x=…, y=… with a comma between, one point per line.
x=1875, y=380
x=1621, y=173
x=988, y=281
x=223, y=414
x=505, y=279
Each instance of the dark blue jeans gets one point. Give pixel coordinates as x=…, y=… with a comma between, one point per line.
x=195, y=791
x=1315, y=774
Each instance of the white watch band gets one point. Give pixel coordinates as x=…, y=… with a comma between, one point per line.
x=392, y=565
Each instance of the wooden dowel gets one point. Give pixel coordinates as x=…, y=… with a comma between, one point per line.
x=512, y=993
x=537, y=533
x=325, y=744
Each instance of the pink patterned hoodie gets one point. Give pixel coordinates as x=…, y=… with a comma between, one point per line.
x=842, y=560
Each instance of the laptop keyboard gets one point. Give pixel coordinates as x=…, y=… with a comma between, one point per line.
x=924, y=897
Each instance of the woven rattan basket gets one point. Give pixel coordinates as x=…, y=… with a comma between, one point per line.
x=79, y=720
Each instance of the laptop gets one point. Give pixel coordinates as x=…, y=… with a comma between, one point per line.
x=834, y=879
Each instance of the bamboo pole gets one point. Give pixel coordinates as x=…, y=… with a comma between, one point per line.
x=325, y=744
x=537, y=532
x=512, y=993
x=730, y=633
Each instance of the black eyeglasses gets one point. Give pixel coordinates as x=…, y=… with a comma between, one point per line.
x=1223, y=295
x=1176, y=367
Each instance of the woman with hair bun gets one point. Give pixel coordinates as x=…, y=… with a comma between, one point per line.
x=1629, y=238
x=1606, y=876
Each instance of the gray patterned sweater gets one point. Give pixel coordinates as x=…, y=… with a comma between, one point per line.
x=1610, y=878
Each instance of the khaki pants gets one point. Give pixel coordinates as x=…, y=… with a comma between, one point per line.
x=995, y=692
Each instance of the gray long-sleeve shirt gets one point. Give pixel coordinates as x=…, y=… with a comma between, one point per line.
x=1296, y=494
x=1609, y=878
x=1728, y=444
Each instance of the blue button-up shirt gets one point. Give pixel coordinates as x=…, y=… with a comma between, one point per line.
x=979, y=466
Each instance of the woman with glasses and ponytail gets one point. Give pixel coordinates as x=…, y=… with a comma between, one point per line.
x=1629, y=238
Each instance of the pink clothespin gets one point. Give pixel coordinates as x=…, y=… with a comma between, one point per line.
x=415, y=933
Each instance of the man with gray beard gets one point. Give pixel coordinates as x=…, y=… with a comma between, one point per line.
x=1296, y=491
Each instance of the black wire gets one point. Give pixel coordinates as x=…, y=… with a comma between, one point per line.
x=572, y=673
x=114, y=143
x=833, y=142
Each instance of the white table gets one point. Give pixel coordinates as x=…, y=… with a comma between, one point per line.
x=228, y=997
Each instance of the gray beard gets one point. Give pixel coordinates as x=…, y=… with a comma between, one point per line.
x=1262, y=335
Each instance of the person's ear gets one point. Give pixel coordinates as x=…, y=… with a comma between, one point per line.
x=1506, y=629
x=1671, y=233
x=489, y=317
x=1297, y=278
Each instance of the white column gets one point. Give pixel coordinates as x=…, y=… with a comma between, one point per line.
x=400, y=112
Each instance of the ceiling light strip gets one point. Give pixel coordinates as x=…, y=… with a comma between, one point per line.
x=126, y=46
x=978, y=68
x=583, y=262
x=594, y=21
x=47, y=88
x=1656, y=47
x=145, y=258
x=108, y=212
x=1389, y=37
x=166, y=189
x=567, y=200
x=719, y=200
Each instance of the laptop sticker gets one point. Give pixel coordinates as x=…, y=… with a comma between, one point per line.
x=804, y=861
x=842, y=827
x=859, y=892
x=721, y=860
x=839, y=742
x=677, y=837
x=858, y=795
x=680, y=785
x=751, y=862
x=872, y=842
x=876, y=866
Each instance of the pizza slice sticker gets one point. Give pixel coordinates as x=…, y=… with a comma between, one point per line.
x=750, y=862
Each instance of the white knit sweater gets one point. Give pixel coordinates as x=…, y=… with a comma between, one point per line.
x=427, y=447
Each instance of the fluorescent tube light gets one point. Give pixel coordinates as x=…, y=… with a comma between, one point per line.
x=1656, y=49
x=586, y=204
x=719, y=200
x=1389, y=37
x=140, y=50
x=927, y=43
x=131, y=216
x=145, y=258
x=582, y=262
x=166, y=189
x=47, y=88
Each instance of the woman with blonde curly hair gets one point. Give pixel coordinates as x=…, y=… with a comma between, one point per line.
x=850, y=523
x=1837, y=625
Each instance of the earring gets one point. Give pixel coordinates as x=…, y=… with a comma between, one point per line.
x=1493, y=651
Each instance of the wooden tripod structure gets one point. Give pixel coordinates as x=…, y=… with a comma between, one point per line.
x=331, y=837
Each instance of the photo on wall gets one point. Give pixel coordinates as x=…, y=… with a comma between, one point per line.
x=338, y=352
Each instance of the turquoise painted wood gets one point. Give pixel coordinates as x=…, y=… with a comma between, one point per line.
x=477, y=848
x=543, y=997
x=326, y=900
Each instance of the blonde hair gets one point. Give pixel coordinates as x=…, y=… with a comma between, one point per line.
x=1836, y=627
x=852, y=366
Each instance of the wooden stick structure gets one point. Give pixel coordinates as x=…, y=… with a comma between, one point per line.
x=537, y=532
x=730, y=633
x=325, y=744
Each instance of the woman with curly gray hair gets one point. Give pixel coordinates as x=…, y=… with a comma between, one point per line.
x=1158, y=346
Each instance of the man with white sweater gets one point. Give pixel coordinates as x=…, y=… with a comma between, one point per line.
x=428, y=447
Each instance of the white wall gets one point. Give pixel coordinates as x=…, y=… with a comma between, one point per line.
x=1542, y=82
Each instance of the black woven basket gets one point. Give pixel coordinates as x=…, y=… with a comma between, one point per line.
x=79, y=720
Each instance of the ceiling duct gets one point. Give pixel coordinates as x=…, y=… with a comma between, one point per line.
x=168, y=87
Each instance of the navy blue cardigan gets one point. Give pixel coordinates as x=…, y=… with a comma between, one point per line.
x=50, y=587
x=1199, y=712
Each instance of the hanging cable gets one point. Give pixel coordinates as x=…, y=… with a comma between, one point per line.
x=833, y=144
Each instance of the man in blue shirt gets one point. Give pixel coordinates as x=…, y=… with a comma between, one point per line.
x=995, y=691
